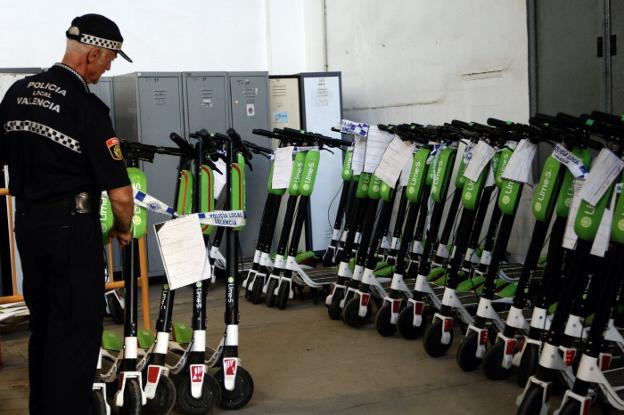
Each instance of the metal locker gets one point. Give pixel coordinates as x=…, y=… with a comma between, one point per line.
x=250, y=109
x=206, y=101
x=321, y=102
x=104, y=91
x=148, y=108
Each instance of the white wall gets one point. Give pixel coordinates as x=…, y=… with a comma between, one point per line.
x=430, y=61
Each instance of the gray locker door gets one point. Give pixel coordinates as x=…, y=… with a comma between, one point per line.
x=206, y=105
x=617, y=60
x=160, y=114
x=104, y=90
x=570, y=75
x=250, y=110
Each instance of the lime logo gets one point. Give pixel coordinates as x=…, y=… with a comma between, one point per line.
x=198, y=284
x=365, y=188
x=231, y=280
x=568, y=202
x=468, y=195
x=375, y=188
x=136, y=220
x=306, y=187
x=621, y=225
x=586, y=222
x=104, y=228
x=411, y=190
x=506, y=200
x=538, y=206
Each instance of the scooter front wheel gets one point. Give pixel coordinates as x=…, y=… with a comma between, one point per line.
x=242, y=393
x=256, y=291
x=528, y=363
x=350, y=313
x=466, y=352
x=405, y=324
x=433, y=340
x=99, y=403
x=210, y=396
x=382, y=321
x=571, y=407
x=282, y=296
x=164, y=399
x=531, y=402
x=270, y=294
x=493, y=362
x=334, y=309
x=132, y=398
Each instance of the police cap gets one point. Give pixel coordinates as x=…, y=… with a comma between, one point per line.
x=97, y=30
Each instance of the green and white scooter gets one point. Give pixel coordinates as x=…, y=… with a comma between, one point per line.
x=587, y=222
x=552, y=197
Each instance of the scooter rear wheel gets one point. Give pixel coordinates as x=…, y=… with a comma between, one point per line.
x=432, y=340
x=382, y=321
x=256, y=291
x=270, y=294
x=405, y=324
x=493, y=360
x=282, y=296
x=531, y=402
x=242, y=393
x=466, y=352
x=132, y=398
x=528, y=363
x=99, y=403
x=350, y=313
x=164, y=399
x=187, y=404
x=334, y=309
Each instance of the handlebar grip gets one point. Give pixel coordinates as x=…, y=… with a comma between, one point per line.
x=461, y=124
x=238, y=142
x=607, y=118
x=336, y=130
x=264, y=133
x=495, y=122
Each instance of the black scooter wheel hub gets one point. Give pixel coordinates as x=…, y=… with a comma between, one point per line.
x=493, y=360
x=242, y=393
x=466, y=352
x=382, y=321
x=433, y=340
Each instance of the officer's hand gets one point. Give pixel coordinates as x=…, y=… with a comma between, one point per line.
x=124, y=238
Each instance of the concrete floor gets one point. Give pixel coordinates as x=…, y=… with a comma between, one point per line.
x=304, y=363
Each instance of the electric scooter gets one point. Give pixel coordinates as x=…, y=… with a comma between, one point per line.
x=474, y=344
x=475, y=199
x=586, y=225
x=593, y=369
x=553, y=195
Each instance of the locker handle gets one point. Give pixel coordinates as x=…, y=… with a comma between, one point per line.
x=599, y=46
x=613, y=45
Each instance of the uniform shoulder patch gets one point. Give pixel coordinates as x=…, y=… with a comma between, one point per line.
x=114, y=148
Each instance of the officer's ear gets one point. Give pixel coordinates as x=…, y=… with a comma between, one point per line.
x=93, y=55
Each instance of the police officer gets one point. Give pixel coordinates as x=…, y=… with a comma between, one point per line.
x=62, y=152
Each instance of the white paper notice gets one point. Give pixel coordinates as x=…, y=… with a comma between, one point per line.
x=282, y=167
x=376, y=145
x=405, y=173
x=605, y=169
x=397, y=155
x=520, y=165
x=569, y=237
x=481, y=156
x=219, y=178
x=182, y=250
x=359, y=153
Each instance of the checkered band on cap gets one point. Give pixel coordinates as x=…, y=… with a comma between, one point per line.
x=45, y=131
x=101, y=42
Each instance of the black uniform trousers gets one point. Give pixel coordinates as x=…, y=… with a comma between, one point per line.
x=63, y=266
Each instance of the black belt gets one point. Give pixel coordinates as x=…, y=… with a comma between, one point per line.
x=80, y=203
